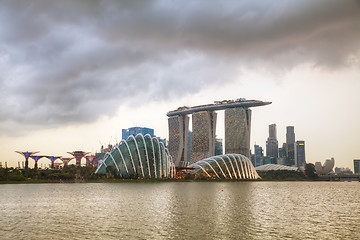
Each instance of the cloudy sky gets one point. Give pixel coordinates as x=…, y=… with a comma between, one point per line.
x=74, y=73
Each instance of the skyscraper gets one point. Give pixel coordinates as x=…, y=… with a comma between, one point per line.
x=237, y=131
x=259, y=156
x=357, y=166
x=290, y=143
x=272, y=131
x=204, y=132
x=218, y=146
x=272, y=146
x=178, y=138
x=300, y=154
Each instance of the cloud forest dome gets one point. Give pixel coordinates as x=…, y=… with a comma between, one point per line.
x=138, y=157
x=228, y=166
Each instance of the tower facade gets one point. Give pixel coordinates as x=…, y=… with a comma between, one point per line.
x=272, y=145
x=300, y=154
x=290, y=143
x=237, y=131
x=178, y=138
x=357, y=166
x=204, y=132
x=258, y=155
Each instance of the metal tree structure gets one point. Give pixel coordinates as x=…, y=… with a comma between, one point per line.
x=66, y=161
x=26, y=155
x=90, y=160
x=36, y=159
x=78, y=155
x=52, y=159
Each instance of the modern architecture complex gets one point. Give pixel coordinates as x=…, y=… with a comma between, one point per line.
x=326, y=168
x=136, y=130
x=138, y=157
x=237, y=129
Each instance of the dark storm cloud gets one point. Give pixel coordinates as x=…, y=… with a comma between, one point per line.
x=67, y=62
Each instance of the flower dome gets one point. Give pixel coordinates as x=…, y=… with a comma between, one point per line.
x=138, y=157
x=228, y=166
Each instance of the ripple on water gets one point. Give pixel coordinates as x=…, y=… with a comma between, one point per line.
x=194, y=210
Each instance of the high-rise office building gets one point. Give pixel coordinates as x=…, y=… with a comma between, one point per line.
x=272, y=145
x=178, y=138
x=258, y=155
x=135, y=130
x=290, y=143
x=357, y=166
x=272, y=131
x=218, y=146
x=290, y=135
x=204, y=132
x=300, y=154
x=237, y=131
x=282, y=155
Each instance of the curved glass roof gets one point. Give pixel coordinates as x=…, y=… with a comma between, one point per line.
x=138, y=157
x=274, y=167
x=228, y=166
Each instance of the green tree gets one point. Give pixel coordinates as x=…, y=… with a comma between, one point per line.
x=310, y=171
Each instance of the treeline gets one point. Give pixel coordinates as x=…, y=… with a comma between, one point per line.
x=70, y=173
x=286, y=175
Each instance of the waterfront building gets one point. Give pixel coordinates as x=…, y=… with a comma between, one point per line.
x=178, y=138
x=135, y=130
x=237, y=131
x=228, y=166
x=300, y=154
x=138, y=157
x=204, y=132
x=356, y=166
x=258, y=155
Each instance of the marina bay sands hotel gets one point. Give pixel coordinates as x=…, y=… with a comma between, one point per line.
x=237, y=129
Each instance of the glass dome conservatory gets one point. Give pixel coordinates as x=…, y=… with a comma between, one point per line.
x=228, y=166
x=138, y=157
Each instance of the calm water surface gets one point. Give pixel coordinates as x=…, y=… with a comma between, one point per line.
x=199, y=210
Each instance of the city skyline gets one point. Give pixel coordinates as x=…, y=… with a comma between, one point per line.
x=72, y=77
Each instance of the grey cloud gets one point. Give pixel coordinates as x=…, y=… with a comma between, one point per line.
x=68, y=62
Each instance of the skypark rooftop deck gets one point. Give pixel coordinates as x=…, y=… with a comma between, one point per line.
x=217, y=106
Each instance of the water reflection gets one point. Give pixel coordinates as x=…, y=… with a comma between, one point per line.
x=201, y=210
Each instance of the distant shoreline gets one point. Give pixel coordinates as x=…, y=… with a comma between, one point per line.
x=156, y=181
